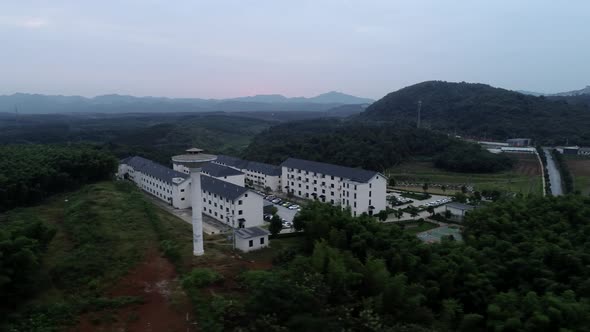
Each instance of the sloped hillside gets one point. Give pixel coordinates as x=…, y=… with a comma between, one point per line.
x=484, y=111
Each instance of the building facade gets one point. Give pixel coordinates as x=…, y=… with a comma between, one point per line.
x=258, y=175
x=359, y=190
x=231, y=204
x=249, y=239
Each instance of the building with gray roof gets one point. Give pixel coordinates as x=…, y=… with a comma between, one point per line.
x=231, y=204
x=359, y=190
x=258, y=174
x=251, y=238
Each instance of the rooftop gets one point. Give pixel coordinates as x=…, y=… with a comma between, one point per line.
x=461, y=206
x=222, y=188
x=354, y=174
x=217, y=170
x=254, y=166
x=153, y=169
x=251, y=232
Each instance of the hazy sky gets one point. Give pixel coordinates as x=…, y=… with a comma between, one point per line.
x=221, y=48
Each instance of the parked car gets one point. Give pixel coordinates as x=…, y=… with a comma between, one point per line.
x=276, y=200
x=293, y=207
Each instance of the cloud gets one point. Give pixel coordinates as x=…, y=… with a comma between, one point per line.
x=24, y=22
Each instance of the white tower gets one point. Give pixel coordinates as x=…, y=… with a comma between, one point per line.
x=194, y=159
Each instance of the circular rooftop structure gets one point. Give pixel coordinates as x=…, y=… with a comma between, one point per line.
x=193, y=158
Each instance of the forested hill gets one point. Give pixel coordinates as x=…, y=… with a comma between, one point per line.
x=484, y=111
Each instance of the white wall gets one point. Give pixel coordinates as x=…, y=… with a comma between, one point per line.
x=238, y=180
x=337, y=191
x=228, y=211
x=244, y=244
x=181, y=194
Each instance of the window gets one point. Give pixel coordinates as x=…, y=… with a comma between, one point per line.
x=299, y=192
x=261, y=240
x=323, y=191
x=240, y=202
x=240, y=212
x=215, y=204
x=369, y=202
x=354, y=195
x=246, y=195
x=251, y=243
x=355, y=206
x=331, y=193
x=369, y=185
x=306, y=187
x=369, y=193
x=332, y=201
x=332, y=185
x=332, y=177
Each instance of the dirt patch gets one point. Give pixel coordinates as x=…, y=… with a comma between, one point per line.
x=528, y=165
x=579, y=167
x=164, y=306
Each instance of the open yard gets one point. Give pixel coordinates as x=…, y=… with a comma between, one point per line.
x=523, y=178
x=580, y=169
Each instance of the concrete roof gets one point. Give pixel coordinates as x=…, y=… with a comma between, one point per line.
x=251, y=232
x=222, y=188
x=355, y=174
x=153, y=169
x=254, y=166
x=461, y=206
x=217, y=170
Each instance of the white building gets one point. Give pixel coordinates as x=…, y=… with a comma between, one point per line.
x=233, y=205
x=360, y=190
x=458, y=210
x=253, y=238
x=220, y=172
x=260, y=175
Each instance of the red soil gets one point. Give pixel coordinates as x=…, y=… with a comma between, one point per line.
x=155, y=282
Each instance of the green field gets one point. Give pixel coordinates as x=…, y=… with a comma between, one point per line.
x=523, y=178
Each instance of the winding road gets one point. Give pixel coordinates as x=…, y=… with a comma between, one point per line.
x=554, y=175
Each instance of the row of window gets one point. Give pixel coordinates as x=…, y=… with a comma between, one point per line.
x=251, y=242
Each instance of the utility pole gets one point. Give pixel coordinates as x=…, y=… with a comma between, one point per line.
x=419, y=111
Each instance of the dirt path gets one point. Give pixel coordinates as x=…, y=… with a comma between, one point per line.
x=165, y=307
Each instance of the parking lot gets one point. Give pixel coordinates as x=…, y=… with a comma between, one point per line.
x=438, y=207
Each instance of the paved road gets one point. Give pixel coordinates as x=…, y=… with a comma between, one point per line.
x=554, y=175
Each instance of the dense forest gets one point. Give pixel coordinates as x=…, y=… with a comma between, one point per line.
x=482, y=111
x=374, y=146
x=524, y=266
x=31, y=173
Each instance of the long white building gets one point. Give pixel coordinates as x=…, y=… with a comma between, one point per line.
x=260, y=175
x=231, y=204
x=360, y=190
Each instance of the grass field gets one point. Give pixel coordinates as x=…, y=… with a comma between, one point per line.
x=104, y=255
x=579, y=166
x=523, y=178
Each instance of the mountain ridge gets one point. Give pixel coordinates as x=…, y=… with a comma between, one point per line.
x=479, y=110
x=40, y=103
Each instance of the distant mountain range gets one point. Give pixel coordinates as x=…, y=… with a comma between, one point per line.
x=584, y=91
x=483, y=111
x=113, y=103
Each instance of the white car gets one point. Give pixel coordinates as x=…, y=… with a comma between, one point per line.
x=294, y=207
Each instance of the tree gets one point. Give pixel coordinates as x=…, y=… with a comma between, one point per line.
x=391, y=182
x=267, y=190
x=443, y=188
x=382, y=215
x=425, y=187
x=430, y=210
x=274, y=210
x=448, y=214
x=276, y=225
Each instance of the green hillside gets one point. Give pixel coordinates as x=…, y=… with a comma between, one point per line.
x=483, y=111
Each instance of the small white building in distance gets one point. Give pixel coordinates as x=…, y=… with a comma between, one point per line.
x=252, y=238
x=233, y=205
x=360, y=190
x=458, y=210
x=260, y=175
